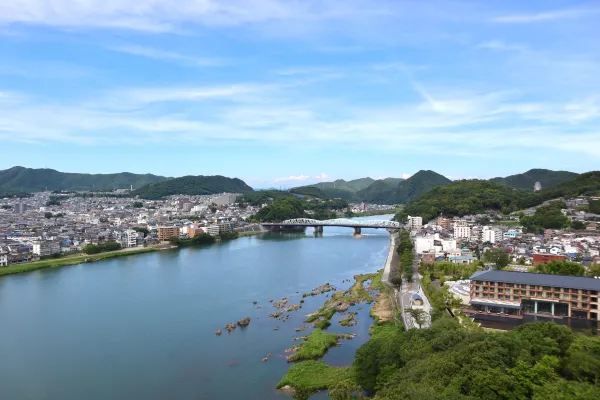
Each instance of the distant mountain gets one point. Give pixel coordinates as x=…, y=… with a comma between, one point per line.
x=193, y=185
x=583, y=184
x=526, y=180
x=21, y=179
x=337, y=189
x=418, y=184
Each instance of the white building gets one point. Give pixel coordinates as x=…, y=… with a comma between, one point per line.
x=492, y=235
x=132, y=238
x=461, y=230
x=45, y=248
x=3, y=258
x=414, y=223
x=433, y=244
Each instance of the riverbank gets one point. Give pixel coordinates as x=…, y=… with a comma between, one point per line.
x=311, y=374
x=78, y=259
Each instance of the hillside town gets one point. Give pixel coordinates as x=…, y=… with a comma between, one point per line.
x=462, y=240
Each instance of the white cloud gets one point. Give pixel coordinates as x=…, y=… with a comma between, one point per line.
x=545, y=16
x=292, y=178
x=158, y=54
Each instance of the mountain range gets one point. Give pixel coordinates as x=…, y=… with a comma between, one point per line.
x=17, y=180
x=398, y=190
x=382, y=191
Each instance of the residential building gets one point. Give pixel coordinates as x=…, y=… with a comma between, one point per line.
x=167, y=232
x=522, y=293
x=462, y=230
x=46, y=248
x=414, y=223
x=542, y=258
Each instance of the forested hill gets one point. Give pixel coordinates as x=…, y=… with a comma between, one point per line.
x=382, y=191
x=21, y=179
x=477, y=196
x=527, y=180
x=193, y=185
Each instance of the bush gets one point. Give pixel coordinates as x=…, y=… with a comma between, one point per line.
x=101, y=247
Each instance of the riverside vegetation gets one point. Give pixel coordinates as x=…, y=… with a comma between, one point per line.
x=456, y=359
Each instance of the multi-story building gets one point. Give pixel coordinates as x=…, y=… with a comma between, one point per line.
x=492, y=235
x=522, y=293
x=3, y=258
x=462, y=230
x=414, y=222
x=167, y=232
x=45, y=248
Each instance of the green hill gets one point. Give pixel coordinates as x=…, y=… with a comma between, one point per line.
x=337, y=189
x=526, y=180
x=20, y=179
x=477, y=196
x=468, y=197
x=583, y=184
x=193, y=185
x=418, y=184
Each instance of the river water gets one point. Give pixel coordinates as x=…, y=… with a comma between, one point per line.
x=143, y=327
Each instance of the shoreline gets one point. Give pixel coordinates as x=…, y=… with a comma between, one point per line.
x=313, y=375
x=72, y=260
x=80, y=258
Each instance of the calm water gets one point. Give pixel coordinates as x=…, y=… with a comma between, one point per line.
x=142, y=327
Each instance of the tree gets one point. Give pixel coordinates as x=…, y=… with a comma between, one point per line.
x=48, y=215
x=346, y=390
x=137, y=204
x=498, y=256
x=561, y=268
x=594, y=270
x=577, y=225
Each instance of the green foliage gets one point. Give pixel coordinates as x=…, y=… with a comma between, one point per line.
x=467, y=197
x=445, y=270
x=307, y=377
x=201, y=239
x=560, y=268
x=141, y=229
x=498, y=256
x=526, y=180
x=20, y=179
x=192, y=185
x=577, y=225
x=546, y=217
x=48, y=215
x=281, y=209
x=405, y=251
x=53, y=201
x=229, y=235
x=314, y=346
x=260, y=197
x=594, y=206
x=449, y=361
x=101, y=247
x=137, y=204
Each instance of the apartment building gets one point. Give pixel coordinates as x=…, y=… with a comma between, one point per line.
x=521, y=293
x=167, y=232
x=414, y=222
x=45, y=248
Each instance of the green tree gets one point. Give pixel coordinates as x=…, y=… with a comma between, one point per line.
x=561, y=268
x=498, y=256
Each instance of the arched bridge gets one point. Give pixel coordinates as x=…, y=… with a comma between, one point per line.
x=343, y=222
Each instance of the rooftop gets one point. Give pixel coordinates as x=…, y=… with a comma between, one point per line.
x=528, y=278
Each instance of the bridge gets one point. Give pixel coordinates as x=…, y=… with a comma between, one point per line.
x=342, y=222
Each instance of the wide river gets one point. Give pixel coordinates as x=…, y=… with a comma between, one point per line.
x=143, y=327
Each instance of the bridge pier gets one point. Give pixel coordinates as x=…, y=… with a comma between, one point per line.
x=318, y=229
x=357, y=230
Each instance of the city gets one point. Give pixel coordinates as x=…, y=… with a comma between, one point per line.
x=299, y=200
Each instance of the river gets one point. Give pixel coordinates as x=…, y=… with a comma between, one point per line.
x=143, y=327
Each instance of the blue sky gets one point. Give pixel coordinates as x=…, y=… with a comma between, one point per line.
x=283, y=93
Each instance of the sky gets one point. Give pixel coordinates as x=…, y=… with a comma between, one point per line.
x=284, y=93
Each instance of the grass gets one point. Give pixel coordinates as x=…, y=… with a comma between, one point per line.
x=314, y=346
x=355, y=294
x=307, y=377
x=70, y=260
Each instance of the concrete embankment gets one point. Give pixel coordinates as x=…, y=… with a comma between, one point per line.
x=391, y=259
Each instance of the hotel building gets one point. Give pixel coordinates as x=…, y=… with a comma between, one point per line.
x=521, y=293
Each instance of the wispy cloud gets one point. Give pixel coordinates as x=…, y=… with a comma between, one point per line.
x=546, y=16
x=170, y=56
